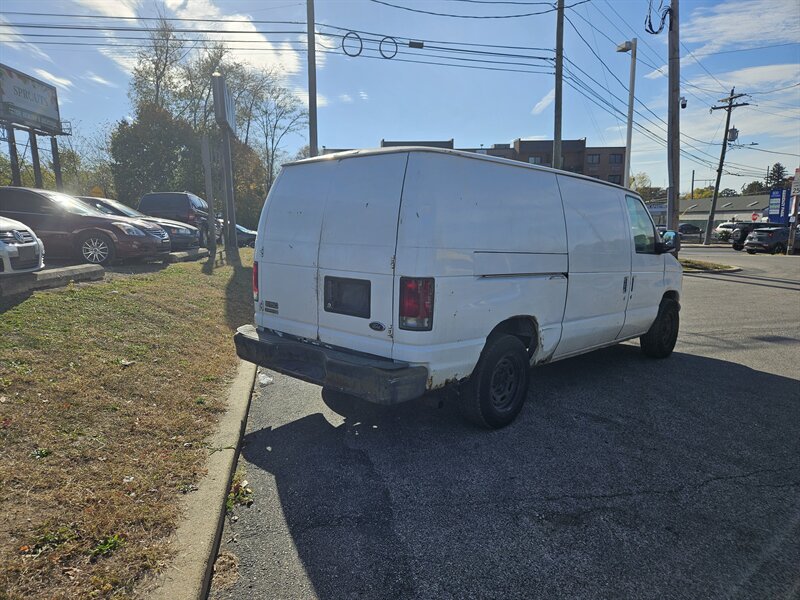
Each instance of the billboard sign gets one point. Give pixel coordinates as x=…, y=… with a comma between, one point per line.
x=28, y=102
x=775, y=201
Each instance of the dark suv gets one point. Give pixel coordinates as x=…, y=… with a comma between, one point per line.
x=70, y=228
x=773, y=239
x=181, y=206
x=742, y=230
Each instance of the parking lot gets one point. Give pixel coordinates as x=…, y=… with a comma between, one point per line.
x=623, y=476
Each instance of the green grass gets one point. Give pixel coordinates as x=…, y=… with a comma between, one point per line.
x=107, y=393
x=689, y=264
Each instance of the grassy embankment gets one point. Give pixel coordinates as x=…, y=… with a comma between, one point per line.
x=107, y=393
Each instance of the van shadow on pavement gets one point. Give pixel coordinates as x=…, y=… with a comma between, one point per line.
x=623, y=477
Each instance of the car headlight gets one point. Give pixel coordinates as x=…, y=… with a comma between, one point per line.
x=128, y=229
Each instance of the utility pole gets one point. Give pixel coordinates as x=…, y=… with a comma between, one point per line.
x=559, y=78
x=692, y=192
x=729, y=108
x=673, y=119
x=312, y=80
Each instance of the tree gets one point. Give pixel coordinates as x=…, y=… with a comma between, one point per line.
x=754, y=187
x=156, y=152
x=304, y=152
x=154, y=76
x=639, y=181
x=776, y=177
x=279, y=114
x=728, y=192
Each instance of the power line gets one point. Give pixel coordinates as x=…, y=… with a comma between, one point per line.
x=456, y=16
x=702, y=66
x=168, y=19
x=768, y=151
x=788, y=87
x=746, y=49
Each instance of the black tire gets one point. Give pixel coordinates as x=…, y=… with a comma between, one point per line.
x=660, y=340
x=737, y=247
x=96, y=248
x=495, y=392
x=779, y=249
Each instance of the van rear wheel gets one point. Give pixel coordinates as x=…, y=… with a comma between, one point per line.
x=495, y=392
x=660, y=339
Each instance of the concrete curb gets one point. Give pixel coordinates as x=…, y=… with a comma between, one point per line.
x=49, y=278
x=196, y=541
x=733, y=270
x=187, y=255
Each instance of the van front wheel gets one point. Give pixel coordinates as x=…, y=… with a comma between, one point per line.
x=660, y=339
x=496, y=391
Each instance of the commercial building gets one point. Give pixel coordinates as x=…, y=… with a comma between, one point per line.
x=600, y=162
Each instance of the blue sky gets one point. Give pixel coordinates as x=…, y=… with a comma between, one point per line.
x=365, y=99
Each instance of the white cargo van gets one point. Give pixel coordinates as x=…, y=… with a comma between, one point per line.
x=387, y=273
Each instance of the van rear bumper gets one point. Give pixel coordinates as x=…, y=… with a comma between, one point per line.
x=377, y=379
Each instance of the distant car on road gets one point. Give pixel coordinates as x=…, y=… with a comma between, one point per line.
x=244, y=236
x=769, y=239
x=742, y=230
x=723, y=230
x=181, y=235
x=70, y=228
x=184, y=207
x=689, y=229
x=20, y=250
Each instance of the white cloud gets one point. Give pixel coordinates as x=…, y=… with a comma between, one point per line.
x=248, y=45
x=741, y=24
x=546, y=101
x=99, y=80
x=50, y=78
x=346, y=98
x=363, y=95
x=303, y=96
x=14, y=40
x=117, y=8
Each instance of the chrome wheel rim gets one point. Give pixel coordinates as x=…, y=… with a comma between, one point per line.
x=95, y=250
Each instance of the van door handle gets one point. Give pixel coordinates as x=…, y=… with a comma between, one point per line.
x=633, y=280
x=625, y=285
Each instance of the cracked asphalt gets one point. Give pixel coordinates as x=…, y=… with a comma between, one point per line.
x=622, y=477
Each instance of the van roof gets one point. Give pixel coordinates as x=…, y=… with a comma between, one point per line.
x=461, y=153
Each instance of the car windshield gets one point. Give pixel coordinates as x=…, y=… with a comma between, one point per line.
x=73, y=205
x=124, y=208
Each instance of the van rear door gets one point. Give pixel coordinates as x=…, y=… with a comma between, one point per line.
x=288, y=249
x=355, y=281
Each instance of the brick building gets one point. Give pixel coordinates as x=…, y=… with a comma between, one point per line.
x=600, y=162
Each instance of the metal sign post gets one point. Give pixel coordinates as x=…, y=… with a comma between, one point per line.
x=225, y=116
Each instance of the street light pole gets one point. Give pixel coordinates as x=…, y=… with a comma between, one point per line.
x=624, y=47
x=312, y=80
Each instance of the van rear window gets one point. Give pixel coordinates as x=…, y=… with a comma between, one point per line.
x=347, y=296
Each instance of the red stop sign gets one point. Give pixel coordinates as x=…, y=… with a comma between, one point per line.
x=754, y=217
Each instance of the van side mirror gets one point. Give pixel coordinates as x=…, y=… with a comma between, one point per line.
x=670, y=242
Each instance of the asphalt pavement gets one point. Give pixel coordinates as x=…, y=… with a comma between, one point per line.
x=623, y=477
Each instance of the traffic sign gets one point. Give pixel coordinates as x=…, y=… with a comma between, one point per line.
x=796, y=183
x=754, y=217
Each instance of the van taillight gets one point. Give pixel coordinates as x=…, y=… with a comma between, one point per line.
x=255, y=281
x=191, y=217
x=416, y=303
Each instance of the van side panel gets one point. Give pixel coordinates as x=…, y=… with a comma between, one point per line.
x=599, y=264
x=288, y=248
x=357, y=244
x=493, y=236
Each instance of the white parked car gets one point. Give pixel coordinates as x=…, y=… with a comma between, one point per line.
x=387, y=273
x=20, y=250
x=727, y=227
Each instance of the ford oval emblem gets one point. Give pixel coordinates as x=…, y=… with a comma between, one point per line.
x=375, y=326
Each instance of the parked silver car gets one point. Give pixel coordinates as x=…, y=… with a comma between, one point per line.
x=20, y=250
